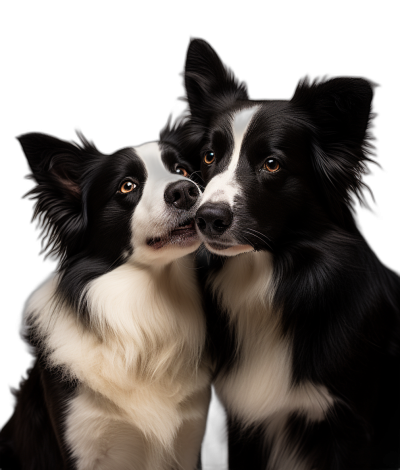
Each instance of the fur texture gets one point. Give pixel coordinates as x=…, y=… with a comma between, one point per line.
x=304, y=320
x=121, y=379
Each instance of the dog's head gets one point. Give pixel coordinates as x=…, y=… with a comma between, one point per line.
x=274, y=169
x=136, y=205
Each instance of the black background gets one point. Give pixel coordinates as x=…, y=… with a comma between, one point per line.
x=116, y=78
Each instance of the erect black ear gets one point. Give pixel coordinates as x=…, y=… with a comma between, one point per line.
x=340, y=113
x=54, y=161
x=210, y=86
x=58, y=168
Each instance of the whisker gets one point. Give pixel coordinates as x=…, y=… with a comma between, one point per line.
x=199, y=174
x=262, y=239
x=248, y=241
x=262, y=234
x=254, y=235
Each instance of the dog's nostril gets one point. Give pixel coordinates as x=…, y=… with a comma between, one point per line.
x=220, y=224
x=201, y=223
x=176, y=195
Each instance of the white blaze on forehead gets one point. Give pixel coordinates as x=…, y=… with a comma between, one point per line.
x=153, y=217
x=158, y=176
x=150, y=211
x=223, y=187
x=150, y=153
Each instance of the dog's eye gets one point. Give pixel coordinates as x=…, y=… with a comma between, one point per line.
x=271, y=165
x=127, y=186
x=181, y=171
x=209, y=157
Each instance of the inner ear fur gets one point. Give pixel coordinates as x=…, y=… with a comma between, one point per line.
x=66, y=174
x=54, y=161
x=58, y=167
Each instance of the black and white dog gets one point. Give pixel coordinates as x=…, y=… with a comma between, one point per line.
x=303, y=318
x=120, y=379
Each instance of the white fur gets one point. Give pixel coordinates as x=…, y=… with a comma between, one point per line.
x=224, y=187
x=142, y=373
x=260, y=385
x=152, y=216
x=143, y=393
x=259, y=389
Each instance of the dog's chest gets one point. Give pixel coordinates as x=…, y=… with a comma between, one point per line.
x=142, y=356
x=259, y=384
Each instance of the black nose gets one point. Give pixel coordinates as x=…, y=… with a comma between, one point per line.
x=182, y=194
x=214, y=219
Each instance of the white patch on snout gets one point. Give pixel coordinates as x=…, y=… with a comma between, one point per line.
x=152, y=216
x=224, y=186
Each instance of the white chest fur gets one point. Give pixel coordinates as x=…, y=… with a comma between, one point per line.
x=143, y=356
x=260, y=385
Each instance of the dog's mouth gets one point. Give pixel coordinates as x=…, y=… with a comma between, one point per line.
x=183, y=235
x=229, y=250
x=225, y=247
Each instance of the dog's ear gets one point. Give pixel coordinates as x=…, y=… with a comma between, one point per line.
x=58, y=168
x=340, y=112
x=54, y=162
x=210, y=86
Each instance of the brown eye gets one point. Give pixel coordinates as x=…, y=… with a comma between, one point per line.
x=209, y=158
x=271, y=165
x=127, y=187
x=182, y=171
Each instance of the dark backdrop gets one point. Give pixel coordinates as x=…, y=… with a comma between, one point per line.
x=117, y=79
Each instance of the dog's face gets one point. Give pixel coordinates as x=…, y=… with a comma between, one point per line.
x=256, y=178
x=136, y=205
x=273, y=169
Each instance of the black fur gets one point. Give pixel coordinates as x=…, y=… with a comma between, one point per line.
x=32, y=438
x=81, y=228
x=340, y=306
x=72, y=192
x=86, y=223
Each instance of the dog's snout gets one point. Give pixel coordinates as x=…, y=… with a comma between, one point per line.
x=181, y=194
x=214, y=219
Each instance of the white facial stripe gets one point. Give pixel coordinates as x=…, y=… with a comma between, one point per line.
x=152, y=217
x=150, y=211
x=223, y=187
x=157, y=178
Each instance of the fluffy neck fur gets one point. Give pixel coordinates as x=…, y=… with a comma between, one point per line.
x=260, y=384
x=143, y=351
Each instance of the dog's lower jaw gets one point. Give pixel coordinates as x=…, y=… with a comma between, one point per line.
x=146, y=255
x=227, y=250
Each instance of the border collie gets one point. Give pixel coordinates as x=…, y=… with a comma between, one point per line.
x=120, y=380
x=303, y=318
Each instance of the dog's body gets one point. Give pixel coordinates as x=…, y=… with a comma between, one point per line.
x=304, y=322
x=120, y=379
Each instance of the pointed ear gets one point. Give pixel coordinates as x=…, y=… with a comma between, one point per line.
x=340, y=112
x=210, y=86
x=53, y=161
x=58, y=167
x=341, y=107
